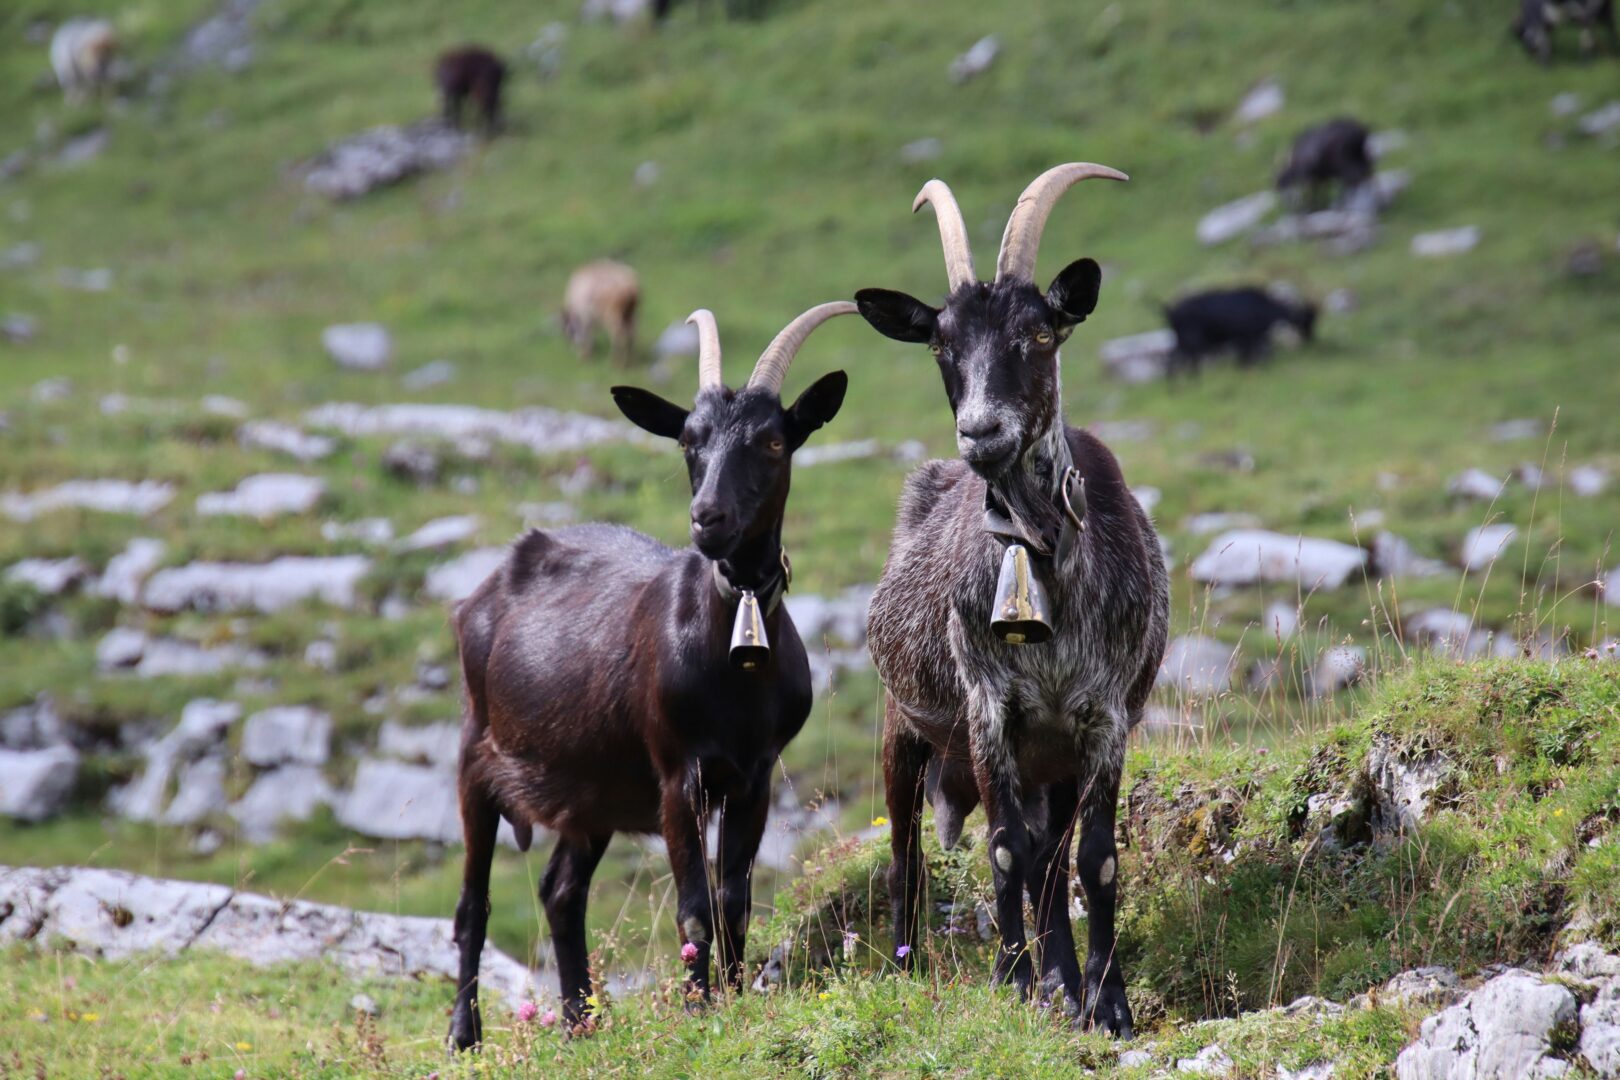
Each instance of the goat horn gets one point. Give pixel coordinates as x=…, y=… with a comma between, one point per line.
x=1023, y=236
x=773, y=362
x=953, y=235
x=708, y=347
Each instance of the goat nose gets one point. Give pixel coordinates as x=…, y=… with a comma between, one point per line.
x=705, y=518
x=978, y=427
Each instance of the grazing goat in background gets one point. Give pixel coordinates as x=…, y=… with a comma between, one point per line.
x=604, y=692
x=82, y=52
x=1334, y=152
x=1036, y=732
x=1238, y=319
x=1538, y=18
x=602, y=294
x=470, y=71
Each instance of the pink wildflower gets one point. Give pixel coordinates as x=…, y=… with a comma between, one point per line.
x=527, y=1011
x=548, y=1018
x=689, y=952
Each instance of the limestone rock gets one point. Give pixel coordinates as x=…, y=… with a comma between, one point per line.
x=288, y=793
x=1502, y=1031
x=1483, y=544
x=1229, y=221
x=125, y=572
x=977, y=60
x=35, y=784
x=458, y=578
x=264, y=496
x=264, y=587
x=383, y=156
x=287, y=735
x=104, y=496
x=359, y=346
x=284, y=439
x=1252, y=556
x=395, y=801
x=48, y=577
x=1197, y=665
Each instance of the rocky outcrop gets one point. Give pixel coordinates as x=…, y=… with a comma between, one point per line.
x=1252, y=556
x=36, y=784
x=383, y=156
x=1515, y=1027
x=104, y=496
x=111, y=914
x=262, y=587
x=542, y=430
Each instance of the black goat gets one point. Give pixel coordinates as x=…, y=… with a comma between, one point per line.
x=1238, y=319
x=1035, y=731
x=603, y=689
x=470, y=71
x=1538, y=18
x=1334, y=152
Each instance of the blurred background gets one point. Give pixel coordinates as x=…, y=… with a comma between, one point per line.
x=283, y=366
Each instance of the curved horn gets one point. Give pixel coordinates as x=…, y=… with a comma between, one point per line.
x=773, y=362
x=1023, y=236
x=708, y=347
x=953, y=235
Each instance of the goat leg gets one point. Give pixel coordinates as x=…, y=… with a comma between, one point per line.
x=905, y=759
x=479, y=820
x=1049, y=887
x=563, y=891
x=993, y=768
x=1098, y=863
x=742, y=823
x=683, y=819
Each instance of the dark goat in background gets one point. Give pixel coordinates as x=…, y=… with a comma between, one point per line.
x=1538, y=18
x=470, y=71
x=601, y=692
x=1036, y=732
x=1241, y=320
x=1332, y=153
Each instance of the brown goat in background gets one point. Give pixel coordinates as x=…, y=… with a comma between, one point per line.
x=602, y=293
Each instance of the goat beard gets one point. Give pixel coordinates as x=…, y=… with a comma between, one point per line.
x=1026, y=493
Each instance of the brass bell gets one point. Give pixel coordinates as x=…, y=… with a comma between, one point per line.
x=1021, y=612
x=750, y=648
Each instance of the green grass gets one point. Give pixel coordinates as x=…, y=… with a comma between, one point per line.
x=781, y=186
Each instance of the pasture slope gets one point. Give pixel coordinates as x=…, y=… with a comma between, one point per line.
x=778, y=180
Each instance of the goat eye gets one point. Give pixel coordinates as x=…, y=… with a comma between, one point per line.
x=1043, y=337
x=936, y=348
x=774, y=446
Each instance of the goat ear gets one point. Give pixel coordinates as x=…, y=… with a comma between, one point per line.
x=815, y=407
x=896, y=315
x=1073, y=294
x=649, y=412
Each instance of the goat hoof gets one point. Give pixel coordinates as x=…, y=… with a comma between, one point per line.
x=464, y=1035
x=1107, y=1009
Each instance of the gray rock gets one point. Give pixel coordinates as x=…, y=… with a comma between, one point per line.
x=98, y=279
x=264, y=496
x=441, y=533
x=199, y=793
x=1588, y=480
x=546, y=513
x=18, y=328
x=125, y=572
x=373, y=531
x=1600, y=121
x=1318, y=1070
x=1567, y=103
x=115, y=915
x=1433, y=986
x=201, y=731
x=264, y=587
x=1393, y=557
x=977, y=60
x=321, y=654
x=287, y=735
x=1148, y=498
x=546, y=50
x=1476, y=484
x=1280, y=622
x=103, y=496
x=457, y=579
x=1516, y=430
x=1210, y=1061
x=919, y=151
x=679, y=339
x=122, y=647
x=32, y=727
x=1219, y=521
x=289, y=793
x=1600, y=1031
x=1139, y=358
x=36, y=784
x=646, y=174
x=359, y=346
x=1404, y=784
x=284, y=439
x=19, y=255
x=223, y=40
x=1252, y=556
x=364, y=1003
x=1135, y=1059
x=1483, y=544
x=430, y=744
x=430, y=375
x=1441, y=629
x=619, y=11
x=838, y=451
x=82, y=148
x=391, y=800
x=1588, y=962
x=1340, y=302
x=48, y=390
x=544, y=431
x=831, y=620
x=1381, y=144
x=1338, y=668
x=1197, y=665
x=1265, y=99
x=1502, y=1031
x=48, y=577
x=1446, y=242
x=1233, y=219
x=383, y=156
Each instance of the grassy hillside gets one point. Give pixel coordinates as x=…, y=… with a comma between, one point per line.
x=779, y=184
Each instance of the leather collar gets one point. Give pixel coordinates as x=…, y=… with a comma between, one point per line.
x=769, y=594
x=1070, y=500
